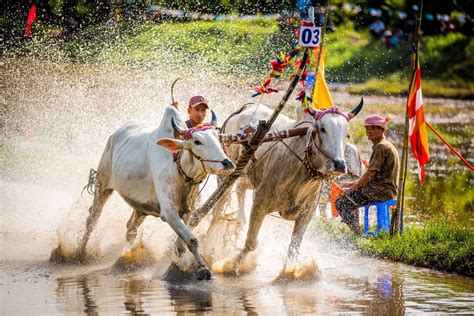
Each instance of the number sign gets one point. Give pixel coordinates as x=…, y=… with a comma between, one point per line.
x=310, y=36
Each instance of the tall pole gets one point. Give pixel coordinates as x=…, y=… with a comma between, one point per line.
x=397, y=217
x=249, y=150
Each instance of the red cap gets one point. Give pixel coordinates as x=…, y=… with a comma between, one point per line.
x=196, y=100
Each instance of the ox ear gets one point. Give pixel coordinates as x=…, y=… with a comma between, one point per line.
x=173, y=145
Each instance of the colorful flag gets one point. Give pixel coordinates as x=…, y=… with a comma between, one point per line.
x=417, y=127
x=31, y=18
x=321, y=96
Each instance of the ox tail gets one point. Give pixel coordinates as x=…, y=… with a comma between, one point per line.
x=91, y=185
x=243, y=107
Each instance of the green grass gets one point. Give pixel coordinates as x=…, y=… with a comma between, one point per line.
x=435, y=245
x=231, y=48
x=243, y=49
x=446, y=67
x=448, y=197
x=394, y=85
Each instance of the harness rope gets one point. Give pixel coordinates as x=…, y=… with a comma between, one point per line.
x=187, y=178
x=310, y=170
x=92, y=183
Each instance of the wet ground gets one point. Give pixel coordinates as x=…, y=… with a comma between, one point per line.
x=30, y=284
x=56, y=119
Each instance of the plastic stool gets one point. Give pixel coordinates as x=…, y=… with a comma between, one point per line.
x=383, y=216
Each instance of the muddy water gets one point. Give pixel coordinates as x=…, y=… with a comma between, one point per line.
x=56, y=119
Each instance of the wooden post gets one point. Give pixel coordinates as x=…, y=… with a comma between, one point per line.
x=397, y=216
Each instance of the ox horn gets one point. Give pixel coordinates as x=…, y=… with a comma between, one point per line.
x=213, y=118
x=177, y=129
x=356, y=110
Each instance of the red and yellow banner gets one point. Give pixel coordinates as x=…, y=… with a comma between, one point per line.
x=417, y=126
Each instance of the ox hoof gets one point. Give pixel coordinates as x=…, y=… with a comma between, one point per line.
x=203, y=274
x=300, y=272
x=58, y=255
x=138, y=257
x=175, y=274
x=238, y=265
x=224, y=267
x=180, y=250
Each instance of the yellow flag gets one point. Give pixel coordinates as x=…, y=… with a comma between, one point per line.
x=321, y=96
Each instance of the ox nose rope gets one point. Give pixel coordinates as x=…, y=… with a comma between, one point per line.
x=203, y=160
x=189, y=179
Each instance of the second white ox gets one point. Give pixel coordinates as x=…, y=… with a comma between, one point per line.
x=287, y=176
x=151, y=182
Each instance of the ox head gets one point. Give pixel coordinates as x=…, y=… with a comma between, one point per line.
x=203, y=143
x=328, y=136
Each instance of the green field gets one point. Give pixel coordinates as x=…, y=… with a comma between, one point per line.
x=241, y=50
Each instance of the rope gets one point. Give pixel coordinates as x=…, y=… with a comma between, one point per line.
x=449, y=146
x=187, y=178
x=92, y=184
x=256, y=108
x=242, y=107
x=205, y=183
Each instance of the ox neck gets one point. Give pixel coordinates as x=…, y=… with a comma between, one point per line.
x=192, y=167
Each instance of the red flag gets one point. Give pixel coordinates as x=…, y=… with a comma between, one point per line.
x=31, y=18
x=417, y=126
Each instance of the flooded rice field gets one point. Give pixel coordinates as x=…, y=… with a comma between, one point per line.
x=56, y=119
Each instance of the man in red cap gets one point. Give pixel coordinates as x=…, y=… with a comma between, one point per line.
x=197, y=110
x=379, y=183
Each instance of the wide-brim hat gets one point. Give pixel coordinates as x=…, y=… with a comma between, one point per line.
x=196, y=100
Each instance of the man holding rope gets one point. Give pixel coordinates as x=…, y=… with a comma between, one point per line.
x=379, y=183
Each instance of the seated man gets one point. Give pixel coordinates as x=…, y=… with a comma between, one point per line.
x=379, y=183
x=197, y=110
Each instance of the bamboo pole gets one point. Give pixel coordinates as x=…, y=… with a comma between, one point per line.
x=397, y=217
x=262, y=129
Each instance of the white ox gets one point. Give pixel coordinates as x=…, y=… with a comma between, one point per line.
x=281, y=181
x=147, y=178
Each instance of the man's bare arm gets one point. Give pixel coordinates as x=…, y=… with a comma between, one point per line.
x=359, y=183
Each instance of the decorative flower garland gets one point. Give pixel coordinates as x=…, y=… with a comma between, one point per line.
x=278, y=67
x=198, y=128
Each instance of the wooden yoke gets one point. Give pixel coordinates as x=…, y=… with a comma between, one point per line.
x=269, y=137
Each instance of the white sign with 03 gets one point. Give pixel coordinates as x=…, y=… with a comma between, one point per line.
x=310, y=36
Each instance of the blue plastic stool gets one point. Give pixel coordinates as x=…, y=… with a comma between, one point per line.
x=383, y=216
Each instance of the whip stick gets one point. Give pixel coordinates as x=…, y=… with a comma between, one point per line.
x=397, y=217
x=262, y=129
x=172, y=89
